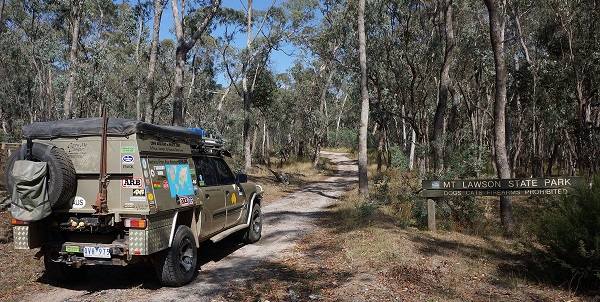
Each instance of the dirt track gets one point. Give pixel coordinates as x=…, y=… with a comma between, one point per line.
x=225, y=264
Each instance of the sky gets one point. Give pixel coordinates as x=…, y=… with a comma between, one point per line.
x=281, y=60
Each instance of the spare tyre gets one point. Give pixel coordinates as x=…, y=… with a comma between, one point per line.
x=62, y=180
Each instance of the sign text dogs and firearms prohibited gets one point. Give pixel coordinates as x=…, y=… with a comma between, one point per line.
x=499, y=187
x=493, y=187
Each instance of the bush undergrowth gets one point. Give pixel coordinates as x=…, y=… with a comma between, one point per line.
x=569, y=235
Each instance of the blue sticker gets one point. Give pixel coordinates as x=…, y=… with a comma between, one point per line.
x=179, y=180
x=127, y=159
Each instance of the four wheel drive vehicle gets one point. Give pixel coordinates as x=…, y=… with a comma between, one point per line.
x=114, y=191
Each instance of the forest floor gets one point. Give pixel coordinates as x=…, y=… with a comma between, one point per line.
x=312, y=250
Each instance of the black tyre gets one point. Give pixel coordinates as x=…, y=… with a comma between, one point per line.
x=61, y=272
x=176, y=266
x=62, y=181
x=253, y=232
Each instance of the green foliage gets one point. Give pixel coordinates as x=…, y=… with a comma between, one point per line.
x=467, y=161
x=365, y=209
x=345, y=137
x=399, y=160
x=394, y=194
x=570, y=236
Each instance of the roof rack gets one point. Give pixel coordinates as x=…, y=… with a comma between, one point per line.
x=208, y=145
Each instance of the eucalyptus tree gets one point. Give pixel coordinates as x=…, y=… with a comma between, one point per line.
x=184, y=45
x=22, y=36
x=75, y=15
x=497, y=41
x=264, y=31
x=363, y=181
x=444, y=86
x=159, y=6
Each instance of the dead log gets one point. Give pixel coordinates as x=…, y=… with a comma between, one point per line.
x=281, y=177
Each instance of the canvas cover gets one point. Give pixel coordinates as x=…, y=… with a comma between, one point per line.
x=116, y=127
x=30, y=194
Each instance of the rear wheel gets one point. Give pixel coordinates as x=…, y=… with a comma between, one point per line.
x=176, y=266
x=253, y=232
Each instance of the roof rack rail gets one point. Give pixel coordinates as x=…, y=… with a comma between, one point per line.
x=208, y=145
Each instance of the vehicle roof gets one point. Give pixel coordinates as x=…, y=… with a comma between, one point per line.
x=82, y=127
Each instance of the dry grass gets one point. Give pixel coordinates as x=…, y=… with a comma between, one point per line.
x=19, y=271
x=376, y=261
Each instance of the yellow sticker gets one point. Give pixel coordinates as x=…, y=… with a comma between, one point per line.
x=150, y=196
x=233, y=199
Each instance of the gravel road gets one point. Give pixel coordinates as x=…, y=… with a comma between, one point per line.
x=225, y=264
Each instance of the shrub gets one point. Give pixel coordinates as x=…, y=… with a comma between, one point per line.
x=570, y=236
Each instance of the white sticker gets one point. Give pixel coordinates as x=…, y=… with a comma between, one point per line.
x=159, y=168
x=78, y=202
x=160, y=172
x=146, y=173
x=132, y=183
x=144, y=163
x=152, y=173
x=137, y=198
x=127, y=159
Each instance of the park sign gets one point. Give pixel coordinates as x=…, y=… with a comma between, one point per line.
x=499, y=187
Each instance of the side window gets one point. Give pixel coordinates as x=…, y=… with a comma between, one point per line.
x=224, y=174
x=206, y=172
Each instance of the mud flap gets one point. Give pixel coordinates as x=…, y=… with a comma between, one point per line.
x=30, y=192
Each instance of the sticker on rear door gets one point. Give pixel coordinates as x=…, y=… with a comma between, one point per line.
x=132, y=183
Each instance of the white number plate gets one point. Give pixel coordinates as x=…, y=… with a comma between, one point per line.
x=96, y=252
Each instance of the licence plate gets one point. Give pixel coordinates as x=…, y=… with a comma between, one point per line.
x=96, y=252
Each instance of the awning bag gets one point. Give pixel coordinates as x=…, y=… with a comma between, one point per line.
x=30, y=196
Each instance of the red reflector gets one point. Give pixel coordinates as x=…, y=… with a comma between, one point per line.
x=17, y=222
x=137, y=252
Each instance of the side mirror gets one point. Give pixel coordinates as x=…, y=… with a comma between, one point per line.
x=242, y=178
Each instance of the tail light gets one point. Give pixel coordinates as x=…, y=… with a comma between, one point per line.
x=14, y=221
x=135, y=223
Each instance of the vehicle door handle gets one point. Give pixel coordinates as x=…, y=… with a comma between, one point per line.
x=206, y=195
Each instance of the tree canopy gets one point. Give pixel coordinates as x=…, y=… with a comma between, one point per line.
x=430, y=77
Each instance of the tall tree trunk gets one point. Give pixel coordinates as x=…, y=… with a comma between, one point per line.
x=322, y=125
x=159, y=5
x=183, y=47
x=76, y=12
x=138, y=89
x=363, y=181
x=339, y=119
x=2, y=25
x=380, y=147
x=180, y=55
x=246, y=92
x=413, y=143
x=501, y=158
x=444, y=87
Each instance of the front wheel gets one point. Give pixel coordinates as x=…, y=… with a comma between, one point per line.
x=176, y=265
x=253, y=232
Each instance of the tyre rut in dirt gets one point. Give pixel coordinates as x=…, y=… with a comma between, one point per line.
x=61, y=272
x=253, y=232
x=62, y=181
x=176, y=266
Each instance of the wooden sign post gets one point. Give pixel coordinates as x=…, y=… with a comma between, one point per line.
x=433, y=189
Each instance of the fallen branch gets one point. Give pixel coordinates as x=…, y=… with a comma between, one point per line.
x=281, y=177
